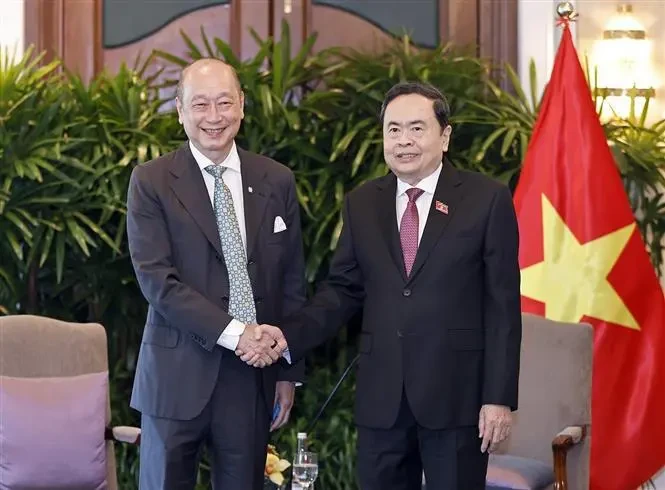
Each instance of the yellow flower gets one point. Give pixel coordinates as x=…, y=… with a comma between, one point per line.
x=275, y=466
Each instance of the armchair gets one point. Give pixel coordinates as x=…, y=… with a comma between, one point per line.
x=54, y=383
x=550, y=441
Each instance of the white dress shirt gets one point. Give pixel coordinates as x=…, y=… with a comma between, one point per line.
x=233, y=180
x=423, y=203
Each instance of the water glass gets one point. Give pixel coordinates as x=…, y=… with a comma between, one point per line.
x=305, y=469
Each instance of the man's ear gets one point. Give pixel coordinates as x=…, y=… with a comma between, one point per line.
x=446, y=137
x=178, y=106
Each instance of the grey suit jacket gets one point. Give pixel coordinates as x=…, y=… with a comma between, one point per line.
x=177, y=257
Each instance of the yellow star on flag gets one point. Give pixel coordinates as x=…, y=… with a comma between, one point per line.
x=572, y=278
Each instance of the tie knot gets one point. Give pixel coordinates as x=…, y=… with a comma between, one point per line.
x=215, y=170
x=414, y=193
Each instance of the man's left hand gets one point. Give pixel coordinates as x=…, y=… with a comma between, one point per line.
x=284, y=395
x=494, y=426
x=258, y=357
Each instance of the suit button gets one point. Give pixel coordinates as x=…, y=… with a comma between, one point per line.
x=258, y=300
x=251, y=262
x=400, y=334
x=218, y=257
x=406, y=292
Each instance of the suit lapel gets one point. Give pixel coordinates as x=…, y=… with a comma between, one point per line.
x=388, y=219
x=188, y=185
x=256, y=192
x=448, y=192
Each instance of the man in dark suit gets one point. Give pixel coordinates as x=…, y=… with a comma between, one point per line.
x=430, y=254
x=215, y=240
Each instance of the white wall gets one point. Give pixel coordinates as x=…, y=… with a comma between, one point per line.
x=11, y=26
x=538, y=39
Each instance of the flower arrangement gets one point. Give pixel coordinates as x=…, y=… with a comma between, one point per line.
x=274, y=471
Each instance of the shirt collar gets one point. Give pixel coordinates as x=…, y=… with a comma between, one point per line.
x=428, y=184
x=231, y=161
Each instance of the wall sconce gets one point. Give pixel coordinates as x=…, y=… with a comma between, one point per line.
x=288, y=6
x=623, y=59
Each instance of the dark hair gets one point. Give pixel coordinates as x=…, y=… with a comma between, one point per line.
x=439, y=102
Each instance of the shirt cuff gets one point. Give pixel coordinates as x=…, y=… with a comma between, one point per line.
x=231, y=335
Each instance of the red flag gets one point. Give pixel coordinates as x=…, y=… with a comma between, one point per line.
x=583, y=259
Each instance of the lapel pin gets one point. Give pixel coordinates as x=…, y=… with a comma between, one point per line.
x=442, y=208
x=250, y=190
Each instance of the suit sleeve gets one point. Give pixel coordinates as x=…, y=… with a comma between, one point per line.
x=294, y=276
x=340, y=297
x=150, y=251
x=502, y=314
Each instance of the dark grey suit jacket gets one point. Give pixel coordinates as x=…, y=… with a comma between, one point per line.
x=177, y=257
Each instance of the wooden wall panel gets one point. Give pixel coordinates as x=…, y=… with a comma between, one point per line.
x=342, y=24
x=216, y=21
x=43, y=26
x=339, y=28
x=458, y=20
x=497, y=32
x=255, y=15
x=67, y=29
x=83, y=37
x=490, y=26
x=229, y=22
x=297, y=13
x=72, y=29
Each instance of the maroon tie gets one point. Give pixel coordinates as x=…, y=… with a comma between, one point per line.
x=408, y=230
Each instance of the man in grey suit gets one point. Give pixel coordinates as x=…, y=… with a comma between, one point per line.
x=215, y=240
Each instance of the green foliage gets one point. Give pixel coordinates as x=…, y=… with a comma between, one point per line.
x=67, y=150
x=29, y=141
x=639, y=150
x=333, y=437
x=509, y=116
x=66, y=155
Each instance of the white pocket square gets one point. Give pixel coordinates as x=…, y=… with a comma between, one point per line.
x=279, y=225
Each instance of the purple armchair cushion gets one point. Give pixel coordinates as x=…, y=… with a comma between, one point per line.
x=52, y=432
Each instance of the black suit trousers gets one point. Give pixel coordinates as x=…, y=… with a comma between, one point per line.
x=235, y=414
x=394, y=458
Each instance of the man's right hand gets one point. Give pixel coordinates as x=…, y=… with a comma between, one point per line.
x=261, y=345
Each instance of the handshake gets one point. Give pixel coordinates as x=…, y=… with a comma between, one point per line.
x=261, y=345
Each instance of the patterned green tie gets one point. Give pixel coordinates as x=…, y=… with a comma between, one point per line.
x=241, y=300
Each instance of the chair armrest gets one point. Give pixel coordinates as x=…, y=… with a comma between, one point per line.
x=564, y=440
x=122, y=433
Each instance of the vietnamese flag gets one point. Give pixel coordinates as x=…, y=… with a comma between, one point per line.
x=582, y=259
